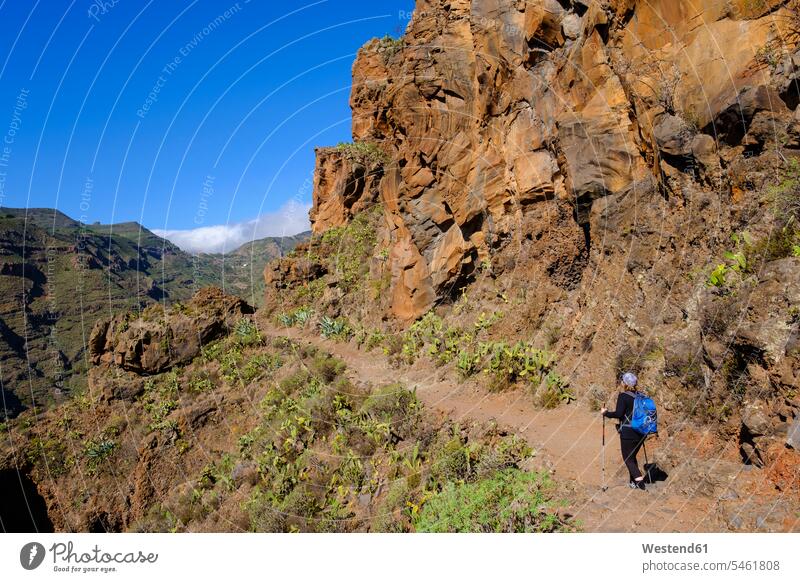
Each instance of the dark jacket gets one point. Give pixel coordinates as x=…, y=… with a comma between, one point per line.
x=624, y=413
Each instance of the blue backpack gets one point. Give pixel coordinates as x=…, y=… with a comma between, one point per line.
x=645, y=418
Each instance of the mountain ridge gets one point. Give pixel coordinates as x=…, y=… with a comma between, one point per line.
x=59, y=275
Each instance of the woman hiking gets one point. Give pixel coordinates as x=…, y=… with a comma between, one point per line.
x=630, y=441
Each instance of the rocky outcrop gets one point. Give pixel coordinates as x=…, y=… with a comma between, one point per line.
x=346, y=185
x=490, y=107
x=291, y=272
x=159, y=339
x=591, y=162
x=751, y=343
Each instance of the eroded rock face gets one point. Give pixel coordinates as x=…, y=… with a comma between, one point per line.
x=158, y=340
x=344, y=185
x=490, y=107
x=283, y=273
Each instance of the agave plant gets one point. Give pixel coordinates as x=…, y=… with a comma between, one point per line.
x=333, y=328
x=98, y=451
x=286, y=319
x=302, y=315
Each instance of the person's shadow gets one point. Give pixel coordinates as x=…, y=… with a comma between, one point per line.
x=653, y=473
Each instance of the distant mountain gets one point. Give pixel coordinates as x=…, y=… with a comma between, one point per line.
x=58, y=276
x=240, y=272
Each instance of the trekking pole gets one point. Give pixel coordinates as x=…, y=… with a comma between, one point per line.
x=603, y=455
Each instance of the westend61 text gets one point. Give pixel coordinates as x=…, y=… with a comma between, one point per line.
x=670, y=549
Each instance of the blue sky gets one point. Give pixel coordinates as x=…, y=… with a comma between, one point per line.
x=180, y=115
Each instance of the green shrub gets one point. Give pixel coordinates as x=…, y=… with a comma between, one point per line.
x=159, y=412
x=555, y=391
x=350, y=249
x=264, y=516
x=51, y=452
x=779, y=244
x=294, y=382
x=736, y=263
x=300, y=503
x=259, y=365
x=363, y=152
x=506, y=454
x=302, y=315
x=201, y=384
x=510, y=501
x=389, y=518
x=467, y=363
x=160, y=400
x=506, y=363
x=374, y=340
x=423, y=331
x=453, y=463
x=350, y=472
x=393, y=347
x=520, y=361
x=230, y=363
x=97, y=452
x=327, y=368
x=389, y=46
x=213, y=351
x=333, y=236
x=393, y=403
x=247, y=333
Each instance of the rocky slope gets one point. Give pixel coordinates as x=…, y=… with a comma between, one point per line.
x=618, y=178
x=59, y=276
x=226, y=428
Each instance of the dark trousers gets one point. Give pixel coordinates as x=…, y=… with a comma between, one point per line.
x=630, y=448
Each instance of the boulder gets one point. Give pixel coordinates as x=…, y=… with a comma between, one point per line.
x=760, y=105
x=157, y=340
x=673, y=135
x=756, y=420
x=704, y=150
x=115, y=384
x=572, y=26
x=793, y=130
x=750, y=455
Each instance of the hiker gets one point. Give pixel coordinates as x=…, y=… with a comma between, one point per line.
x=630, y=440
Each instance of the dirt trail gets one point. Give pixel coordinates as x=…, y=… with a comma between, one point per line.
x=567, y=440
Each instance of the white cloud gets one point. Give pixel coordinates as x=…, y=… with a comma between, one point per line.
x=290, y=219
